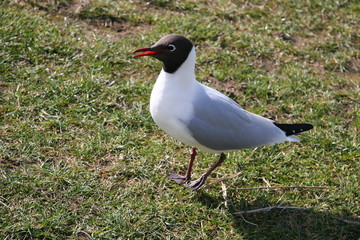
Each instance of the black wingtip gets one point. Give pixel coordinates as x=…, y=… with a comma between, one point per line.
x=291, y=129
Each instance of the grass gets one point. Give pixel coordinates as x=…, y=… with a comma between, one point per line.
x=81, y=157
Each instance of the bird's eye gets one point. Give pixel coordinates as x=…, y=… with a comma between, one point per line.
x=171, y=47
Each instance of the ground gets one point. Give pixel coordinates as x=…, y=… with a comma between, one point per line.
x=81, y=158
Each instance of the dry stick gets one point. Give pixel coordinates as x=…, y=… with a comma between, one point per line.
x=240, y=213
x=346, y=220
x=284, y=187
x=223, y=179
x=269, y=209
x=256, y=188
x=248, y=221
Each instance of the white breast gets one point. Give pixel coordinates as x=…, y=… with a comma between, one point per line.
x=170, y=108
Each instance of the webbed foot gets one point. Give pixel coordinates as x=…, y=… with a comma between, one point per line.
x=178, y=178
x=197, y=184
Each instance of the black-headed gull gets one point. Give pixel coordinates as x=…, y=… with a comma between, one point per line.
x=200, y=116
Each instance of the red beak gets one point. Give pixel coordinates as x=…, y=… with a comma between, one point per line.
x=146, y=52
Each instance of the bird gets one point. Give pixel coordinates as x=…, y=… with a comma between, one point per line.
x=202, y=117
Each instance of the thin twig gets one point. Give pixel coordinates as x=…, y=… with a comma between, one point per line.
x=223, y=179
x=269, y=209
x=346, y=220
x=254, y=224
x=257, y=188
x=284, y=187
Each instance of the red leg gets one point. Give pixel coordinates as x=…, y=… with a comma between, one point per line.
x=197, y=184
x=192, y=159
x=182, y=179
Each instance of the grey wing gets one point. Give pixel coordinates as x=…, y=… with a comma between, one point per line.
x=219, y=123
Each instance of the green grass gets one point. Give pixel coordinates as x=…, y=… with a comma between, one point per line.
x=80, y=157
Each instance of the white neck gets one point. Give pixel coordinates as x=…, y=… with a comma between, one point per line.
x=171, y=99
x=185, y=73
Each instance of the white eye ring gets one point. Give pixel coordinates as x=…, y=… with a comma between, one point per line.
x=171, y=47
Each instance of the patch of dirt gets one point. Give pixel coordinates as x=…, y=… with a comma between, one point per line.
x=354, y=65
x=119, y=27
x=104, y=24
x=266, y=63
x=353, y=78
x=300, y=41
x=230, y=88
x=297, y=41
x=103, y=21
x=318, y=67
x=78, y=5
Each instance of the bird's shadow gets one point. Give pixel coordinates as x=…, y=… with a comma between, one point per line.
x=285, y=223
